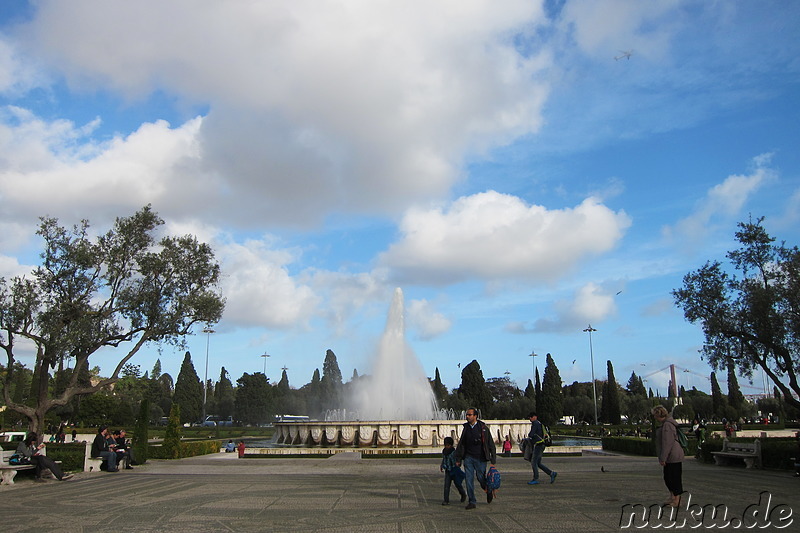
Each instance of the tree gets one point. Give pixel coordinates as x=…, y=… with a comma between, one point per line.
x=140, y=434
x=750, y=318
x=636, y=386
x=188, y=392
x=224, y=394
x=735, y=396
x=718, y=403
x=439, y=389
x=473, y=387
x=331, y=384
x=550, y=407
x=502, y=389
x=121, y=290
x=172, y=435
x=254, y=399
x=610, y=409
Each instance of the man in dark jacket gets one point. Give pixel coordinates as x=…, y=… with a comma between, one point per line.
x=100, y=448
x=475, y=449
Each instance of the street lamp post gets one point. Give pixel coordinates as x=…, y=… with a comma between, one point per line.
x=589, y=330
x=208, y=331
x=533, y=355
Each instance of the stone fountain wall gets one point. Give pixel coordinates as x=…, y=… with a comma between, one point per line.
x=389, y=433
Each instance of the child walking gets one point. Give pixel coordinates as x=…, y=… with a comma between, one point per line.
x=451, y=472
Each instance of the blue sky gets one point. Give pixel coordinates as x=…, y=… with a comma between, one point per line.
x=493, y=159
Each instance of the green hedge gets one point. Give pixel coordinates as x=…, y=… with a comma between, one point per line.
x=776, y=452
x=186, y=449
x=630, y=445
x=638, y=446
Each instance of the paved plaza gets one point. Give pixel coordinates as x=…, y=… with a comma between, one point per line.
x=346, y=493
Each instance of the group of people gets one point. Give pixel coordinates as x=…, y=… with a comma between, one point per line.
x=113, y=448
x=231, y=447
x=476, y=450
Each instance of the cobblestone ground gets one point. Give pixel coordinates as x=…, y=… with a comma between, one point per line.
x=347, y=494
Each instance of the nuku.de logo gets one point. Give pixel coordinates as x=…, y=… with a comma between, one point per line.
x=694, y=516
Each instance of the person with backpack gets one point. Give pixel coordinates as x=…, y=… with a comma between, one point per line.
x=670, y=453
x=475, y=448
x=538, y=437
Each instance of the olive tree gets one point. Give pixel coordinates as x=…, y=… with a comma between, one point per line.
x=750, y=316
x=119, y=291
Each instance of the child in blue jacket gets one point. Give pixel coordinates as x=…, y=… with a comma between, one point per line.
x=451, y=471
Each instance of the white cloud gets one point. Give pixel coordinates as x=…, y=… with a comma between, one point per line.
x=259, y=289
x=50, y=168
x=314, y=106
x=491, y=236
x=723, y=201
x=591, y=303
x=17, y=74
x=428, y=323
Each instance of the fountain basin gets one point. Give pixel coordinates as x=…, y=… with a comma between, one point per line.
x=389, y=433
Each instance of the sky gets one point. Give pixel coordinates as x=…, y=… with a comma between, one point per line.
x=521, y=169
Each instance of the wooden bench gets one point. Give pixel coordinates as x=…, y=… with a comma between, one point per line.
x=9, y=471
x=749, y=452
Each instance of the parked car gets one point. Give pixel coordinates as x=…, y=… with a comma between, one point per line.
x=214, y=421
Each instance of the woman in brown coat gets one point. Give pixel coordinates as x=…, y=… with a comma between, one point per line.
x=670, y=453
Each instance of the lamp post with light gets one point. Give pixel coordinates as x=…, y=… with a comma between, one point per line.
x=208, y=331
x=589, y=330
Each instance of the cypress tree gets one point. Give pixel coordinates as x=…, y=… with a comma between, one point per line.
x=172, y=436
x=439, y=389
x=537, y=390
x=550, y=408
x=735, y=396
x=331, y=384
x=140, y=434
x=610, y=409
x=473, y=387
x=224, y=394
x=188, y=392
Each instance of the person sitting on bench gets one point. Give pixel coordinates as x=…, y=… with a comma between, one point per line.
x=102, y=449
x=122, y=449
x=30, y=449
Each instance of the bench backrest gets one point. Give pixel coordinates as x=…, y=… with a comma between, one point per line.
x=749, y=447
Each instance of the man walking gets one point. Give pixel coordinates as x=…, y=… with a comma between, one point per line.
x=475, y=448
x=536, y=437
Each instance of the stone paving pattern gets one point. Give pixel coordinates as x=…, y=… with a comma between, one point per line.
x=346, y=493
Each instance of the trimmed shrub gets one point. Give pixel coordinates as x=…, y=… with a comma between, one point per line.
x=186, y=449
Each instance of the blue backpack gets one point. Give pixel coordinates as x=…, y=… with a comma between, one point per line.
x=492, y=479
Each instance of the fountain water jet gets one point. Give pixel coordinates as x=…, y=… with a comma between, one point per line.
x=394, y=406
x=397, y=388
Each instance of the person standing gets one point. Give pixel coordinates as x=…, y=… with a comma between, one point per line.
x=536, y=437
x=34, y=452
x=101, y=448
x=507, y=447
x=475, y=448
x=670, y=453
x=240, y=449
